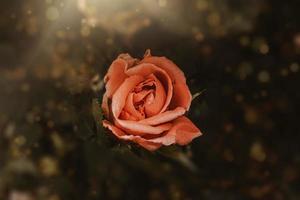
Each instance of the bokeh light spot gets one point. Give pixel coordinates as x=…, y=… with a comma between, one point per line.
x=264, y=76
x=257, y=152
x=52, y=13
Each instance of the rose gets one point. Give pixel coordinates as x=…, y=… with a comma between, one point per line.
x=145, y=102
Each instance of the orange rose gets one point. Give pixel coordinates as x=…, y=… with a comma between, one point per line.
x=145, y=102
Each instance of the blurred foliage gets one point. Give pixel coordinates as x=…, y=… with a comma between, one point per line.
x=245, y=54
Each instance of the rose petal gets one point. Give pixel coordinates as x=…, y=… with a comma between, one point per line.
x=119, y=97
x=171, y=68
x=147, y=82
x=151, y=146
x=127, y=116
x=130, y=61
x=136, y=128
x=182, y=95
x=186, y=131
x=141, y=95
x=145, y=70
x=182, y=132
x=164, y=117
x=129, y=107
x=159, y=99
x=116, y=131
x=115, y=76
x=149, y=100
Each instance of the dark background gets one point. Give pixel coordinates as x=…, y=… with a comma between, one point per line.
x=244, y=54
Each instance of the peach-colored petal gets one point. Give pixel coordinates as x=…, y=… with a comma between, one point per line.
x=182, y=132
x=181, y=96
x=119, y=97
x=141, y=95
x=158, y=102
x=149, y=100
x=136, y=128
x=164, y=117
x=130, y=61
x=166, y=139
x=151, y=146
x=146, y=69
x=127, y=116
x=186, y=131
x=113, y=79
x=129, y=107
x=147, y=82
x=116, y=131
x=115, y=76
x=171, y=68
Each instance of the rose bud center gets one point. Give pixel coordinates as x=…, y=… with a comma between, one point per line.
x=145, y=100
